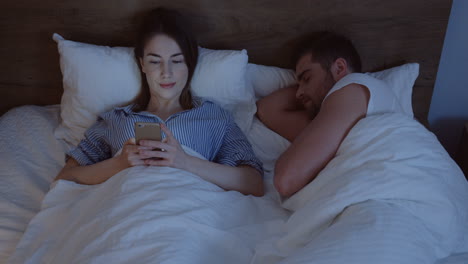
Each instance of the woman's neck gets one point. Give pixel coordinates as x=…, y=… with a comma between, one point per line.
x=164, y=108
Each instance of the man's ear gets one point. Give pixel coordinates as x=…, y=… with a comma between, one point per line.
x=142, y=65
x=339, y=69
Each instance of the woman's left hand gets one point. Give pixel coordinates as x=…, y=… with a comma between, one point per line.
x=171, y=154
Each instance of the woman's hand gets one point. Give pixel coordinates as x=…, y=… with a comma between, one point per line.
x=244, y=179
x=130, y=155
x=171, y=154
x=101, y=171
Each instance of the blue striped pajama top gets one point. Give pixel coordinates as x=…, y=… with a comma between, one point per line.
x=207, y=128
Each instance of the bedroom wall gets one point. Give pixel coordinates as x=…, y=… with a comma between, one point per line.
x=449, y=106
x=386, y=33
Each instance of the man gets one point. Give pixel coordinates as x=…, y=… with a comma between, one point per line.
x=316, y=114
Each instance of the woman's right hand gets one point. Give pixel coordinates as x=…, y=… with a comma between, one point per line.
x=101, y=171
x=130, y=155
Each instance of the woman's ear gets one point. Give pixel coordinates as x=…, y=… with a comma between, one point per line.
x=142, y=65
x=339, y=69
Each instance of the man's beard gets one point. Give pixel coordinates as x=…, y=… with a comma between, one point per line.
x=327, y=85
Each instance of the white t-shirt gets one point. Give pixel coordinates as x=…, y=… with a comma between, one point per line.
x=382, y=100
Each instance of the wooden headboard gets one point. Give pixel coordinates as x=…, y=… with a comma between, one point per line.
x=386, y=33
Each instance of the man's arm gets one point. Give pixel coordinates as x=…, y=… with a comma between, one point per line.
x=318, y=142
x=281, y=113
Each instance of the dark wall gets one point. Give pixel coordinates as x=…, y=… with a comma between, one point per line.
x=385, y=33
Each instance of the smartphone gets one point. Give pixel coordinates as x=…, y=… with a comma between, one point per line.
x=150, y=131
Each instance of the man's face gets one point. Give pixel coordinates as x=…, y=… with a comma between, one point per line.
x=314, y=83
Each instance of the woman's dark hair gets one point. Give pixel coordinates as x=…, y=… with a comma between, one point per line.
x=172, y=24
x=326, y=47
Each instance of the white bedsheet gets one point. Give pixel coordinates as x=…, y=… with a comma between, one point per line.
x=391, y=195
x=330, y=229
x=30, y=157
x=147, y=215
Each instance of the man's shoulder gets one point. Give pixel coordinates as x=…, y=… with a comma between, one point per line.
x=359, y=78
x=350, y=92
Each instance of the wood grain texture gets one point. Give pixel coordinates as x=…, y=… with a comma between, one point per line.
x=385, y=33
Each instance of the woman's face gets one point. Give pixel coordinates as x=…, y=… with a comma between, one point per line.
x=164, y=66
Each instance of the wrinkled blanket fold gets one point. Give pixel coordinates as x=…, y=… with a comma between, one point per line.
x=409, y=193
x=391, y=195
x=146, y=215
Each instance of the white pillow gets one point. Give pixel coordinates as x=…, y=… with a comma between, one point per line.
x=95, y=79
x=266, y=79
x=220, y=77
x=401, y=80
x=99, y=78
x=219, y=70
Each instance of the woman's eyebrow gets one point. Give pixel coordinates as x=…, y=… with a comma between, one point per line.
x=156, y=55
x=177, y=54
x=153, y=54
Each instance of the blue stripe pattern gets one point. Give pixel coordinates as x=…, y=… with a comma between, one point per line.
x=207, y=128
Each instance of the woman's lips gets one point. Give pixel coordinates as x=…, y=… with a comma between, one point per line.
x=167, y=85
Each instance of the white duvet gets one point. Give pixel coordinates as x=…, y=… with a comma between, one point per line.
x=391, y=195
x=146, y=215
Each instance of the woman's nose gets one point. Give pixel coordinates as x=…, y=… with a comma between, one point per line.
x=166, y=70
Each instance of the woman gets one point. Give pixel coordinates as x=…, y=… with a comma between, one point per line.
x=167, y=55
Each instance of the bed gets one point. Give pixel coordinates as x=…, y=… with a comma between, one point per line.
x=414, y=212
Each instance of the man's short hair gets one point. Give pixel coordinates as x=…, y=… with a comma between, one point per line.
x=326, y=47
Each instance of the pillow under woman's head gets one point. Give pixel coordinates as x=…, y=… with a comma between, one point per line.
x=99, y=78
